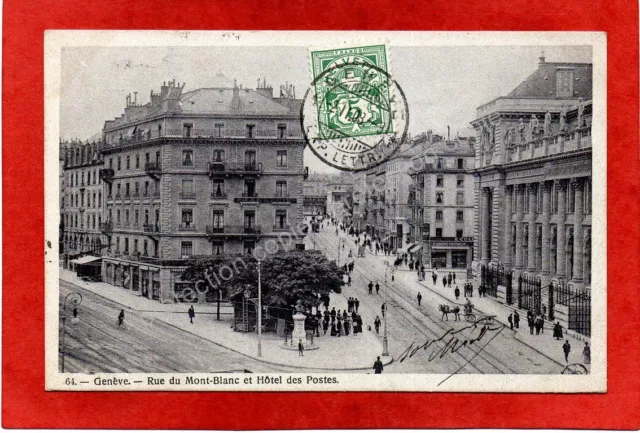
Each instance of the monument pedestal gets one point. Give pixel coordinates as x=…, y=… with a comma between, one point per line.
x=299, y=333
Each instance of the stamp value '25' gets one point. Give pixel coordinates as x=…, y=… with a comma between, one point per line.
x=354, y=115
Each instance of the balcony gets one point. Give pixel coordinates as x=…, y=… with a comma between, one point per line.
x=153, y=169
x=281, y=228
x=151, y=228
x=187, y=227
x=217, y=168
x=106, y=227
x=220, y=196
x=249, y=196
x=187, y=196
x=106, y=174
x=233, y=231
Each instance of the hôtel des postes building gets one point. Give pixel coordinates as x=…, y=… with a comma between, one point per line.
x=533, y=194
x=205, y=172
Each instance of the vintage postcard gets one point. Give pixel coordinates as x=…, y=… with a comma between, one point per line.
x=326, y=211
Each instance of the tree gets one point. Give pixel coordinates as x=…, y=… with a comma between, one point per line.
x=286, y=277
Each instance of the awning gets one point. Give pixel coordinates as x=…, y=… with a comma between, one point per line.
x=415, y=248
x=85, y=259
x=406, y=248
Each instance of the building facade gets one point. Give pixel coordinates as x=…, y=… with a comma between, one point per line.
x=441, y=197
x=315, y=195
x=207, y=172
x=81, y=201
x=340, y=198
x=533, y=192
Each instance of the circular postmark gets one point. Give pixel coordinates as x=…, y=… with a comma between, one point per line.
x=354, y=115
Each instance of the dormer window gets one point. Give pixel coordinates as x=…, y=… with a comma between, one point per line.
x=186, y=129
x=564, y=83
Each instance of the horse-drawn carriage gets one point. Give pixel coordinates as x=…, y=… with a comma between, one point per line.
x=469, y=315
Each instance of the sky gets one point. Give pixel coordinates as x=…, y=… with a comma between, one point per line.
x=443, y=85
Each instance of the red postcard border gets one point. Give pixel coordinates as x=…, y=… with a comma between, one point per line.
x=26, y=404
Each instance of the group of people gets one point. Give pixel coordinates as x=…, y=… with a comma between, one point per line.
x=343, y=323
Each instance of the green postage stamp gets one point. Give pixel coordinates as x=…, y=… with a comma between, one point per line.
x=354, y=114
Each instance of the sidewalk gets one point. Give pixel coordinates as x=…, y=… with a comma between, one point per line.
x=331, y=354
x=543, y=343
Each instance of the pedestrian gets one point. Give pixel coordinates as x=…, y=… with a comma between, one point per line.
x=344, y=315
x=300, y=348
x=449, y=278
x=334, y=332
x=377, y=288
x=346, y=327
x=444, y=281
x=419, y=298
x=454, y=278
x=376, y=324
x=333, y=315
x=510, y=320
x=377, y=366
x=339, y=327
x=531, y=323
x=538, y=324
x=120, y=318
x=192, y=313
x=370, y=287
x=586, y=353
x=557, y=331
x=542, y=324
x=567, y=348
x=470, y=290
x=383, y=308
x=456, y=292
x=325, y=326
x=357, y=304
x=516, y=319
x=434, y=277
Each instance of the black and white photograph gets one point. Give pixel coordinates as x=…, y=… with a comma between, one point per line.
x=319, y=211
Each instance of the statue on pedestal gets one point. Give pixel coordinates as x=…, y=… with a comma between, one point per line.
x=547, y=124
x=521, y=132
x=563, y=119
x=534, y=126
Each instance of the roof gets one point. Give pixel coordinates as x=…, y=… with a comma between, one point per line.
x=221, y=101
x=542, y=82
x=85, y=259
x=460, y=147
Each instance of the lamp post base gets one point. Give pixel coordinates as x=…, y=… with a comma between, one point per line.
x=385, y=346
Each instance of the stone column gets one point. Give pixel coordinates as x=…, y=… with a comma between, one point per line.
x=546, y=216
x=562, y=215
x=577, y=185
x=533, y=189
x=486, y=228
x=519, y=227
x=508, y=260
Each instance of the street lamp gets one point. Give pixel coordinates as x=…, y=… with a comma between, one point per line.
x=258, y=304
x=385, y=342
x=76, y=300
x=341, y=242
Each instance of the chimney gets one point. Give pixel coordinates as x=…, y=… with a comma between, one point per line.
x=135, y=100
x=448, y=133
x=235, y=101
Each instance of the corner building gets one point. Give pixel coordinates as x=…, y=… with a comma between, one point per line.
x=207, y=172
x=533, y=194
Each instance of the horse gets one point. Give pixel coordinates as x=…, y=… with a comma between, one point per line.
x=447, y=309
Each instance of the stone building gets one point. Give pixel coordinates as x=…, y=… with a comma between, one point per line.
x=206, y=172
x=441, y=196
x=81, y=202
x=315, y=195
x=340, y=198
x=533, y=193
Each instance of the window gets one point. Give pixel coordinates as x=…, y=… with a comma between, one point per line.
x=281, y=218
x=145, y=248
x=249, y=219
x=218, y=247
x=137, y=160
x=186, y=249
x=571, y=199
x=218, y=129
x=249, y=131
x=249, y=188
x=136, y=217
x=126, y=245
x=187, y=158
x=460, y=198
x=249, y=246
x=110, y=162
x=119, y=163
x=587, y=198
x=186, y=129
x=218, y=220
x=282, y=130
x=135, y=246
x=218, y=155
x=281, y=158
x=439, y=198
x=146, y=188
x=458, y=234
x=459, y=215
x=147, y=159
x=281, y=188
x=187, y=219
x=146, y=216
x=218, y=188
x=438, y=232
x=564, y=83
x=438, y=215
x=126, y=217
x=88, y=178
x=440, y=164
x=136, y=191
x=460, y=163
x=99, y=198
x=128, y=162
x=250, y=160
x=460, y=181
x=439, y=181
x=187, y=189
x=127, y=190
x=118, y=216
